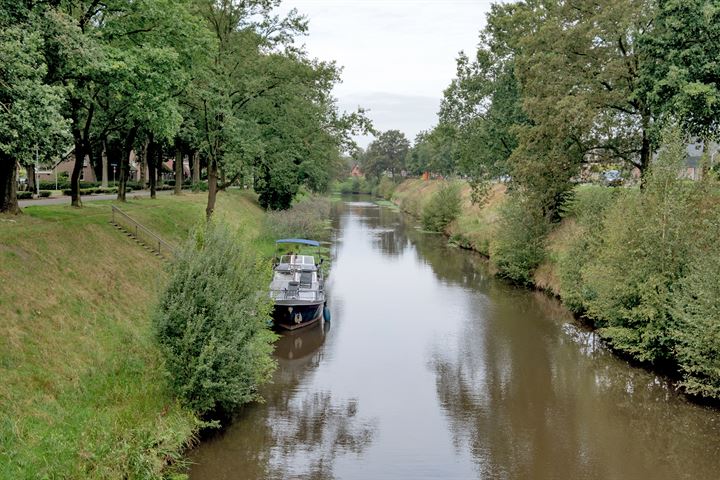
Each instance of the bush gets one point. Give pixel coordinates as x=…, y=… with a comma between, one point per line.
x=634, y=277
x=44, y=193
x=442, y=208
x=212, y=325
x=24, y=195
x=385, y=188
x=306, y=219
x=586, y=208
x=200, y=187
x=354, y=185
x=519, y=245
x=697, y=309
x=50, y=184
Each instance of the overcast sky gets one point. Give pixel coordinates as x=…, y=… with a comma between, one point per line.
x=397, y=55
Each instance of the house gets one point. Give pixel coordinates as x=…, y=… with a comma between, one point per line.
x=356, y=172
x=693, y=164
x=66, y=165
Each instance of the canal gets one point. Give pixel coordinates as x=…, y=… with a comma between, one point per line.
x=432, y=368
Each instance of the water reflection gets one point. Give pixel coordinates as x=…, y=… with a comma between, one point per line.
x=296, y=433
x=532, y=398
x=434, y=369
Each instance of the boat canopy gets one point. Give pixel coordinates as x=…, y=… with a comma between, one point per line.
x=301, y=241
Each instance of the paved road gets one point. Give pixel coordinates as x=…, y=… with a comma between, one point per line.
x=65, y=199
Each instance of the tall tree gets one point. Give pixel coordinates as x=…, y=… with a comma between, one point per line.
x=579, y=64
x=681, y=76
x=482, y=108
x=386, y=153
x=31, y=123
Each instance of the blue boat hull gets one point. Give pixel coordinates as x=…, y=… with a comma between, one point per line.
x=291, y=317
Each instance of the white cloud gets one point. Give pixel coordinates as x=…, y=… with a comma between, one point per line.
x=397, y=55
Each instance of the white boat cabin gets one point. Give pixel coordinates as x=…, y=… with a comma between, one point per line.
x=295, y=277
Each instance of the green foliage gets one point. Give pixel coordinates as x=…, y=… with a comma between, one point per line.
x=680, y=76
x=586, y=208
x=647, y=242
x=24, y=195
x=355, y=185
x=44, y=193
x=442, y=208
x=433, y=151
x=697, y=309
x=386, y=154
x=385, y=188
x=519, y=245
x=212, y=322
x=308, y=218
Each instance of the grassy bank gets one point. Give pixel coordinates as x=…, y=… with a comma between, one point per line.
x=83, y=390
x=476, y=225
x=639, y=266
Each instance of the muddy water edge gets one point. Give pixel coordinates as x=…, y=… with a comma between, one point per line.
x=432, y=368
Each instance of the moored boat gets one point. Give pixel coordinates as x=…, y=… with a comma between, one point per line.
x=297, y=288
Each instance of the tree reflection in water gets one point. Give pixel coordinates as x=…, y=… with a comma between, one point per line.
x=296, y=433
x=572, y=411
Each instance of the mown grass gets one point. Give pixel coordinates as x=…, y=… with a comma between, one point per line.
x=83, y=393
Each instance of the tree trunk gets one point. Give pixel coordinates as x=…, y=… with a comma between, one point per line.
x=212, y=188
x=144, y=165
x=104, y=160
x=125, y=163
x=8, y=185
x=196, y=168
x=159, y=165
x=150, y=159
x=30, y=172
x=645, y=152
x=75, y=174
x=178, y=169
x=705, y=159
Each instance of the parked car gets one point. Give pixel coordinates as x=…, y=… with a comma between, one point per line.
x=612, y=178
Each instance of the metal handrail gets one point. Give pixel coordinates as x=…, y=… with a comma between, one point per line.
x=135, y=228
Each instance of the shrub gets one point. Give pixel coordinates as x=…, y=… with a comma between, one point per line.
x=50, y=184
x=306, y=219
x=519, y=245
x=44, y=193
x=212, y=325
x=355, y=185
x=24, y=195
x=586, y=208
x=697, y=309
x=385, y=188
x=442, y=208
x=645, y=252
x=200, y=187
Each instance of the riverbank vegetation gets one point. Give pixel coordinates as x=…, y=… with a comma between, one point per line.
x=585, y=138
x=211, y=324
x=84, y=391
x=637, y=264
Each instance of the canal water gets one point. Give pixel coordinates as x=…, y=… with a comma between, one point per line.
x=433, y=369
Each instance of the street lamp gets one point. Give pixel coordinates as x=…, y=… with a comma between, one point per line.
x=114, y=172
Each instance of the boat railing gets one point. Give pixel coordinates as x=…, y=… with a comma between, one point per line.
x=288, y=294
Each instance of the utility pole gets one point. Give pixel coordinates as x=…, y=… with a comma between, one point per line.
x=36, y=172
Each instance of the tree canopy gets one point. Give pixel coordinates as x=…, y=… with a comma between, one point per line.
x=222, y=81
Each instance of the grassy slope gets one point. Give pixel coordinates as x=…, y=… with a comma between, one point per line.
x=82, y=393
x=473, y=229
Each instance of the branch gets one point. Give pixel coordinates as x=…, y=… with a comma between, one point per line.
x=230, y=182
x=257, y=94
